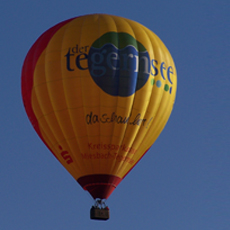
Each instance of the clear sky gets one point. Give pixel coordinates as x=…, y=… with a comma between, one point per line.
x=182, y=183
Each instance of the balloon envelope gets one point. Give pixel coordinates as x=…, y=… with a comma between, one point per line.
x=98, y=89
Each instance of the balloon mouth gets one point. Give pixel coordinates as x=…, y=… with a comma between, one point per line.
x=100, y=185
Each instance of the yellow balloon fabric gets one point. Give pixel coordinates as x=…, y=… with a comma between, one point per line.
x=99, y=90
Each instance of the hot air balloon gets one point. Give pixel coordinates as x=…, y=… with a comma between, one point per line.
x=98, y=89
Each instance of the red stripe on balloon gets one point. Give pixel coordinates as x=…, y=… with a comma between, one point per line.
x=28, y=72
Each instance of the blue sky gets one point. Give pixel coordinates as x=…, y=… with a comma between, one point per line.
x=182, y=183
